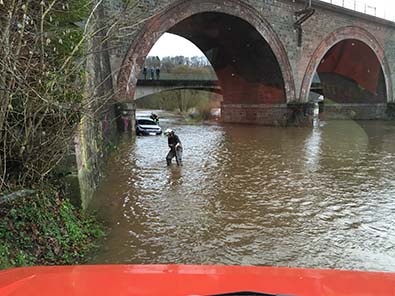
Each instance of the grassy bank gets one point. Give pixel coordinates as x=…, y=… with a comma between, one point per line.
x=45, y=229
x=196, y=103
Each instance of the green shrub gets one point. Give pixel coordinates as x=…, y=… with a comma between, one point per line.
x=45, y=230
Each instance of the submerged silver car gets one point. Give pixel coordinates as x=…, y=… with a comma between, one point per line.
x=147, y=127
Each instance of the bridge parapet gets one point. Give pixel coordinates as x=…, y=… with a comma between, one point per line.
x=363, y=7
x=148, y=87
x=177, y=82
x=182, y=76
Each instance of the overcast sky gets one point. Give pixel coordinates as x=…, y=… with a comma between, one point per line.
x=173, y=45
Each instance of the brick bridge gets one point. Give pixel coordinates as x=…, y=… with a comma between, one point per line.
x=265, y=54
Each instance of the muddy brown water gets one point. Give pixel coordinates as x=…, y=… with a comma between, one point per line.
x=252, y=195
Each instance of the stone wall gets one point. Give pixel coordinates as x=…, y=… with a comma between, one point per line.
x=98, y=133
x=96, y=138
x=356, y=111
x=268, y=114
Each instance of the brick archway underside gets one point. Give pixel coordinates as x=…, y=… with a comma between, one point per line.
x=248, y=57
x=352, y=67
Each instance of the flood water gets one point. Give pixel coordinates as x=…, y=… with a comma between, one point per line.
x=252, y=195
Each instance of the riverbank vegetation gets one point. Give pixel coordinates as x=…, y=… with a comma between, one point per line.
x=42, y=76
x=41, y=87
x=195, y=103
x=44, y=228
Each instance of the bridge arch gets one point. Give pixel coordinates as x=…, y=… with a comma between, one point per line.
x=184, y=9
x=335, y=38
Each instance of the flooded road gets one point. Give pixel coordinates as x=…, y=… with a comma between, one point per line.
x=250, y=195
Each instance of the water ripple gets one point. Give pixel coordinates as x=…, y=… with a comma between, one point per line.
x=254, y=196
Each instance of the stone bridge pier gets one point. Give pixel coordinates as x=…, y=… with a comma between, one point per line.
x=265, y=62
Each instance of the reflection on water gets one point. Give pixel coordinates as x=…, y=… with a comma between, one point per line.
x=248, y=195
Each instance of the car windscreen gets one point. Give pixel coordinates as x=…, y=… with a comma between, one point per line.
x=145, y=122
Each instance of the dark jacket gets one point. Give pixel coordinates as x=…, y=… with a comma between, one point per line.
x=173, y=141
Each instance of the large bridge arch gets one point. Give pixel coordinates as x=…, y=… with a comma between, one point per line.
x=183, y=9
x=334, y=38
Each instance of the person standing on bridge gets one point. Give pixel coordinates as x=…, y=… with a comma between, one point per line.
x=145, y=73
x=157, y=73
x=152, y=72
x=175, y=147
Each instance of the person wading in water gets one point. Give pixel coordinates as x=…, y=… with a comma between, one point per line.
x=175, y=147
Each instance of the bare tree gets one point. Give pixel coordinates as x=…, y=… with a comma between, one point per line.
x=41, y=85
x=45, y=87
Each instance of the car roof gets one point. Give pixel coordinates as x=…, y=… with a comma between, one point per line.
x=145, y=118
